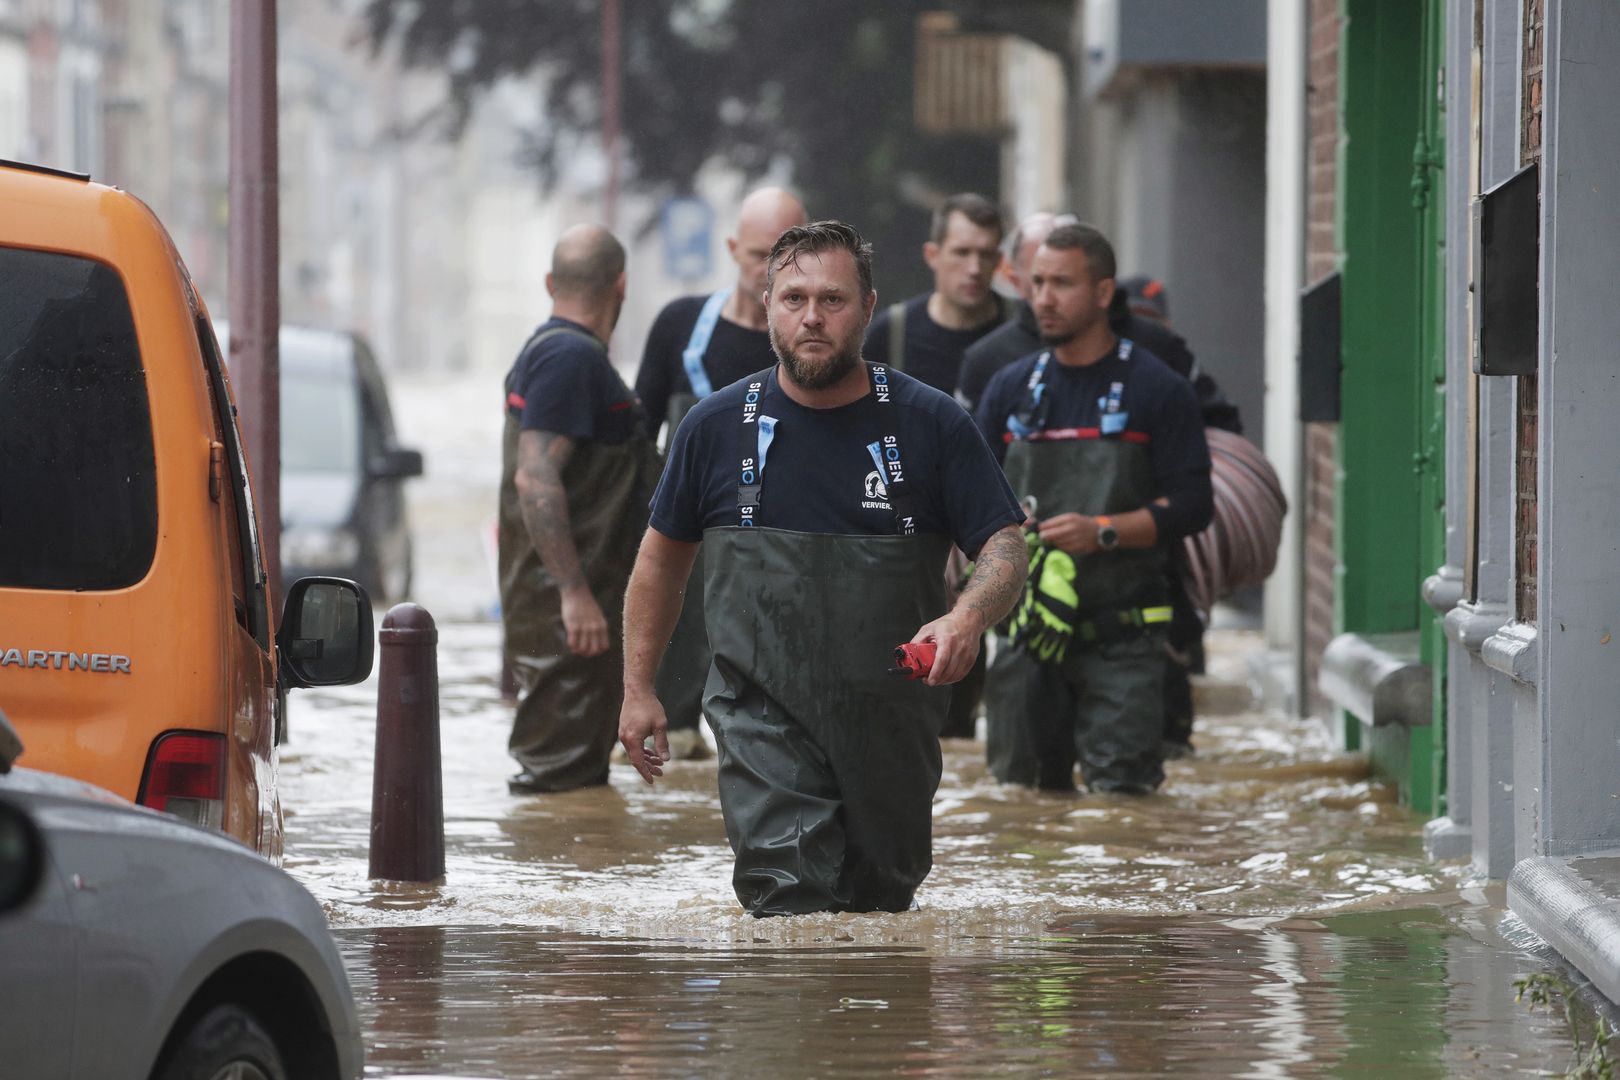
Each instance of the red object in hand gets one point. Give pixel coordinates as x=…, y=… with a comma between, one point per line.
x=913, y=661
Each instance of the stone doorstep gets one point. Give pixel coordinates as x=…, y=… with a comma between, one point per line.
x=1446, y=841
x=1574, y=904
x=1378, y=678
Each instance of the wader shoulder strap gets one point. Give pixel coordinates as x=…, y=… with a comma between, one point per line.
x=1030, y=416
x=753, y=442
x=886, y=456
x=897, y=336
x=756, y=431
x=698, y=344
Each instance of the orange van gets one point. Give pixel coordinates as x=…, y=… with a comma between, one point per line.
x=137, y=646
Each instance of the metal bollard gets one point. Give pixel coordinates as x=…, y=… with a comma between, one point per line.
x=407, y=788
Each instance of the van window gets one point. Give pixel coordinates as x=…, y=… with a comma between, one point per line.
x=247, y=577
x=320, y=422
x=78, y=493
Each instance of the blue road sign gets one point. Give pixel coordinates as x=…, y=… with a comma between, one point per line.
x=687, y=225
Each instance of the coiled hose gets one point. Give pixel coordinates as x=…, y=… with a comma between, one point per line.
x=1239, y=548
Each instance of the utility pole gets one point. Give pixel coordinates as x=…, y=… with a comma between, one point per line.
x=253, y=294
x=612, y=85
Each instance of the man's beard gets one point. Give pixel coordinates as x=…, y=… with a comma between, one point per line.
x=816, y=374
x=1079, y=328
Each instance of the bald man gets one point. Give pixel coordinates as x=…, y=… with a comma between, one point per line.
x=578, y=469
x=697, y=345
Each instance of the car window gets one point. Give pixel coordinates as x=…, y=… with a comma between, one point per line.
x=78, y=491
x=375, y=391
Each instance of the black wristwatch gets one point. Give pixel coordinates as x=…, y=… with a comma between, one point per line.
x=1107, y=535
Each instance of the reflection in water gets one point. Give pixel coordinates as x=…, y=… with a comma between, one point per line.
x=406, y=965
x=1269, y=914
x=1366, y=994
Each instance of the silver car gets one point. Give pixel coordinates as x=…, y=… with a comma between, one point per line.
x=134, y=946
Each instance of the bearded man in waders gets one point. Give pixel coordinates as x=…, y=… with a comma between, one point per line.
x=697, y=345
x=577, y=467
x=826, y=493
x=1106, y=446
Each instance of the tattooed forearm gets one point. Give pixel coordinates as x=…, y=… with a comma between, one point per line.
x=544, y=504
x=998, y=577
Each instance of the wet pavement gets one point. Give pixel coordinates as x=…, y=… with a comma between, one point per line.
x=1270, y=913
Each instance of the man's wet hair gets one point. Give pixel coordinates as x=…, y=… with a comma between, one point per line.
x=976, y=208
x=815, y=238
x=587, y=265
x=1099, y=252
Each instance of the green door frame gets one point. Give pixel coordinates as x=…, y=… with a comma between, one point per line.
x=1391, y=481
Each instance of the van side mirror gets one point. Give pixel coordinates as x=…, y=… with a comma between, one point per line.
x=325, y=637
x=22, y=857
x=396, y=463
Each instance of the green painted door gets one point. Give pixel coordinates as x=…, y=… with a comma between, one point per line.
x=1427, y=769
x=1391, y=461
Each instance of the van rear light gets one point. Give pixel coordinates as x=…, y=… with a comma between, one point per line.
x=185, y=776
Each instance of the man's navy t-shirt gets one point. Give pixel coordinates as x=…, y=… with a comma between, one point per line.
x=1160, y=410
x=819, y=476
x=566, y=385
x=933, y=352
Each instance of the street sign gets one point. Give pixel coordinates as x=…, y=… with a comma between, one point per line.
x=687, y=225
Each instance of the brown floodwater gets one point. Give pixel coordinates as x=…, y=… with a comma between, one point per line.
x=1269, y=913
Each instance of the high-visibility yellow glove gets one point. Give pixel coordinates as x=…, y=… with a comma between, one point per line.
x=1043, y=624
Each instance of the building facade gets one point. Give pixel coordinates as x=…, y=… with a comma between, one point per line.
x=1449, y=227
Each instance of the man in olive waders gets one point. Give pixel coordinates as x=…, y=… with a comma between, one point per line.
x=1106, y=445
x=697, y=345
x=577, y=469
x=826, y=493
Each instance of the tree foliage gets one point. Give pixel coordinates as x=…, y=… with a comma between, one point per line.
x=825, y=87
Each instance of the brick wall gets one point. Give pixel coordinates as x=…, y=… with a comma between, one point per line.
x=1321, y=259
x=1528, y=406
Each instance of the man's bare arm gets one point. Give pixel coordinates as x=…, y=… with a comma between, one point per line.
x=544, y=505
x=998, y=578
x=652, y=604
x=1077, y=533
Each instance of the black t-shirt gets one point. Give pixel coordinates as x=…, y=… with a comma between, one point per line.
x=734, y=352
x=566, y=385
x=1019, y=337
x=933, y=352
x=1160, y=410
x=818, y=472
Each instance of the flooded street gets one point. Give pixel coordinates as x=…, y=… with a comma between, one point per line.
x=1271, y=913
